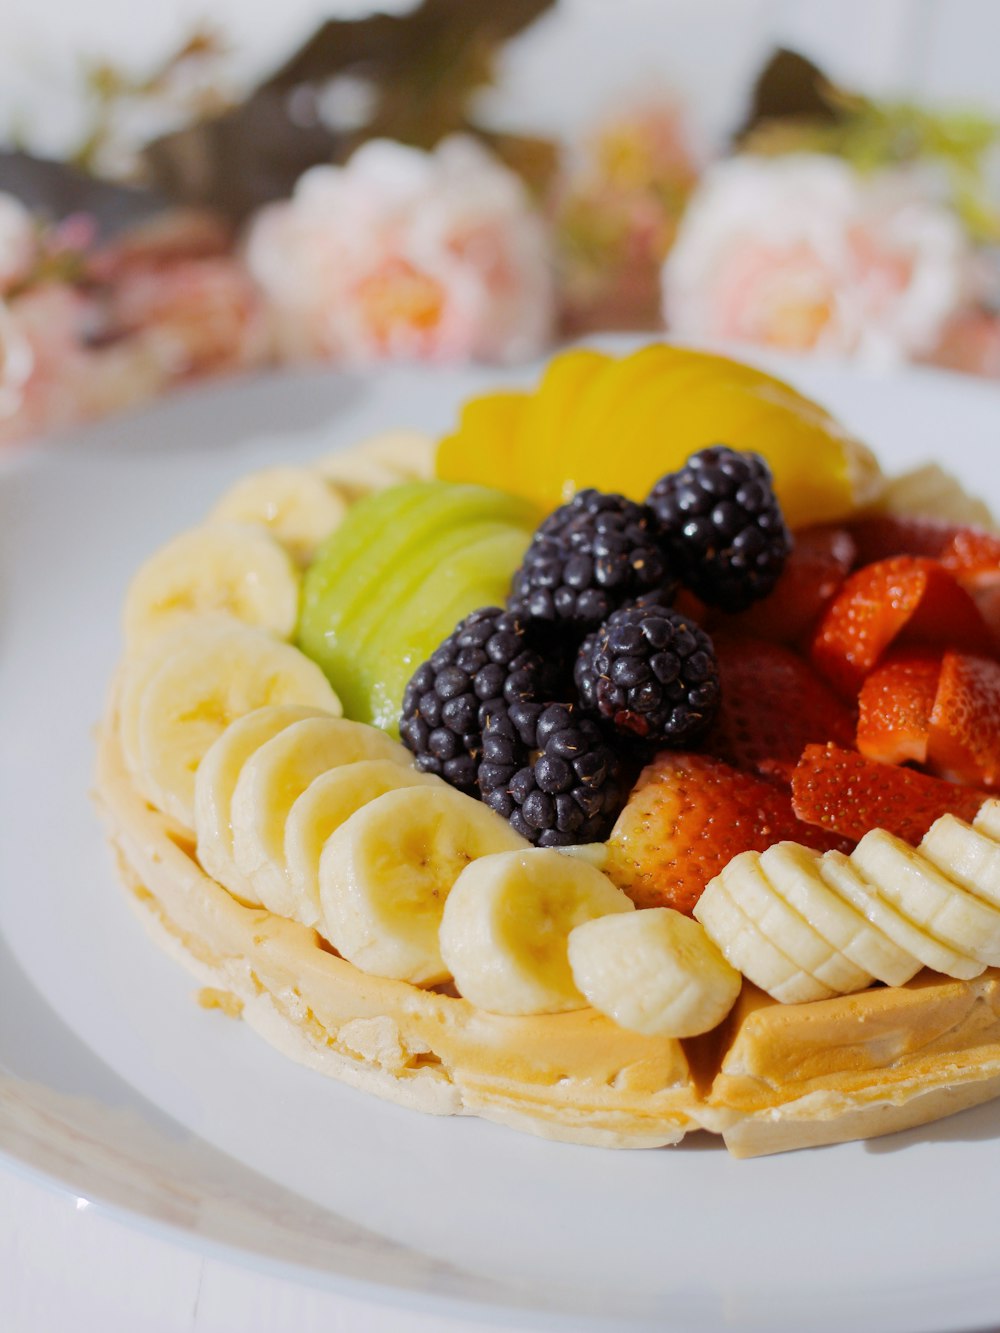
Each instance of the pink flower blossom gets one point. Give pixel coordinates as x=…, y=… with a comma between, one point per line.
x=18, y=242
x=803, y=253
x=402, y=253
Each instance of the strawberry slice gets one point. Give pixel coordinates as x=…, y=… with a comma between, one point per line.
x=908, y=598
x=687, y=816
x=895, y=705
x=964, y=738
x=974, y=558
x=773, y=705
x=845, y=793
x=819, y=562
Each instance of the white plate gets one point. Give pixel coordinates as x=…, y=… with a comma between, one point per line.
x=114, y=1083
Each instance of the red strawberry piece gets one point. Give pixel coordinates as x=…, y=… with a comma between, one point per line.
x=895, y=705
x=964, y=743
x=773, y=705
x=974, y=559
x=846, y=793
x=881, y=538
x=687, y=817
x=819, y=562
x=908, y=599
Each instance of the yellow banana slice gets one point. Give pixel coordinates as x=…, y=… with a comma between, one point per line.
x=932, y=492
x=215, y=782
x=409, y=454
x=232, y=568
x=354, y=475
x=506, y=926
x=271, y=781
x=295, y=504
x=201, y=688
x=326, y=803
x=966, y=855
x=750, y=951
x=928, y=898
x=793, y=872
x=845, y=878
x=749, y=887
x=386, y=873
x=988, y=819
x=653, y=971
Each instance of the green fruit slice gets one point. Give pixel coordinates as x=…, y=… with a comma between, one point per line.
x=375, y=564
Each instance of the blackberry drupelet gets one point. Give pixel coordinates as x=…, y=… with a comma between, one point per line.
x=487, y=657
x=587, y=558
x=722, y=526
x=551, y=773
x=652, y=673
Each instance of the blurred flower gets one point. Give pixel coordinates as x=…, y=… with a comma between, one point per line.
x=970, y=342
x=805, y=254
x=18, y=242
x=409, y=254
x=615, y=219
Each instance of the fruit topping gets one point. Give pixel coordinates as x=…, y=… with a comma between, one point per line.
x=964, y=739
x=848, y=794
x=394, y=579
x=587, y=558
x=487, y=657
x=652, y=673
x=550, y=771
x=895, y=706
x=723, y=528
x=773, y=705
x=820, y=561
x=621, y=422
x=909, y=599
x=686, y=818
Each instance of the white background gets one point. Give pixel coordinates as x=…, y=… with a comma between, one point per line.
x=64, y=1265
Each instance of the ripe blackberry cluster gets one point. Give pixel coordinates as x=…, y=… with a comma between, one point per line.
x=486, y=659
x=551, y=773
x=723, y=529
x=588, y=557
x=652, y=673
x=494, y=713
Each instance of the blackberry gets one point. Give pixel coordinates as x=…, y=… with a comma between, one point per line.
x=722, y=526
x=587, y=558
x=651, y=672
x=486, y=658
x=550, y=772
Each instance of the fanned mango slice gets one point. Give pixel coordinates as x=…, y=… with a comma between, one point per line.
x=620, y=423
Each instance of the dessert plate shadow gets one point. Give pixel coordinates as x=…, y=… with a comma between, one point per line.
x=115, y=1086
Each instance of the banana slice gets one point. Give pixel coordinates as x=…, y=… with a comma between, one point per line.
x=750, y=889
x=408, y=453
x=845, y=878
x=271, y=781
x=325, y=804
x=295, y=504
x=751, y=952
x=198, y=690
x=934, y=493
x=215, y=782
x=143, y=666
x=929, y=899
x=793, y=872
x=355, y=476
x=226, y=567
x=988, y=819
x=653, y=971
x=385, y=875
x=966, y=855
x=506, y=926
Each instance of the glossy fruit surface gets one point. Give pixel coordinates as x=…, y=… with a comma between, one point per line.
x=393, y=580
x=619, y=424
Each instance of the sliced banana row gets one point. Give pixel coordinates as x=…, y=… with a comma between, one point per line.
x=804, y=926
x=244, y=561
x=326, y=821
